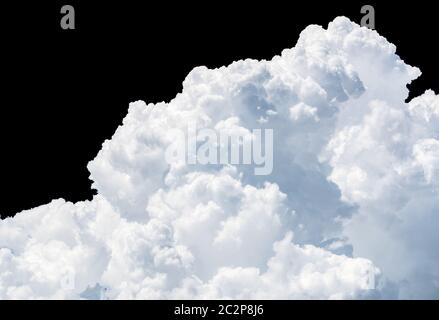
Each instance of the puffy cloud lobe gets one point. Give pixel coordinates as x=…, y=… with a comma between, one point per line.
x=388, y=166
x=293, y=272
x=354, y=167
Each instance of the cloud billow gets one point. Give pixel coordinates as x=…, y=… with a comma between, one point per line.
x=350, y=209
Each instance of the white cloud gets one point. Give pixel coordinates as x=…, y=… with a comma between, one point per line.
x=387, y=165
x=352, y=199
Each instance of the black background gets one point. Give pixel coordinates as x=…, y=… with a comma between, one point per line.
x=63, y=92
x=161, y=309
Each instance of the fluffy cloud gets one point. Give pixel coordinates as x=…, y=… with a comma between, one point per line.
x=350, y=209
x=388, y=165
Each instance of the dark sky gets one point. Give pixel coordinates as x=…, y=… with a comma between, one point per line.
x=65, y=92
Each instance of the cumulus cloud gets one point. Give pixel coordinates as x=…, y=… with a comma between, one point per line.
x=350, y=209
